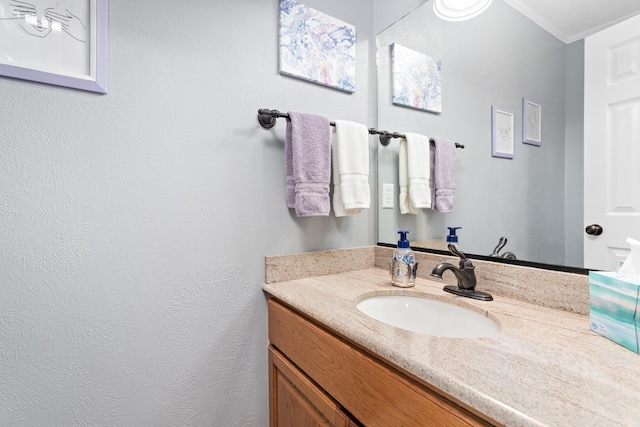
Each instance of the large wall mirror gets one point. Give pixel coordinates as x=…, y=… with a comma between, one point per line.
x=498, y=58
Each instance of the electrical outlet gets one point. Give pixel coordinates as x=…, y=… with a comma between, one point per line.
x=387, y=196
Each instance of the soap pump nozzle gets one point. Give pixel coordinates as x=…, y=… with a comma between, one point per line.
x=452, y=237
x=403, y=242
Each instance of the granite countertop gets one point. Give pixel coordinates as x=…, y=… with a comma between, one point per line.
x=545, y=367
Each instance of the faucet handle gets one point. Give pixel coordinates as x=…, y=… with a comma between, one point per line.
x=454, y=249
x=501, y=243
x=464, y=261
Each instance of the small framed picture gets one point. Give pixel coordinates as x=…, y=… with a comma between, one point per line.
x=501, y=133
x=531, y=122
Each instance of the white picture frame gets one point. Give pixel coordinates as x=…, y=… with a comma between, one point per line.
x=531, y=122
x=62, y=43
x=502, y=128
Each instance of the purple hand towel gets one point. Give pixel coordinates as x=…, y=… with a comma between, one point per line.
x=443, y=174
x=308, y=164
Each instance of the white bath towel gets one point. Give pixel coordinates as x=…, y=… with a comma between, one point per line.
x=351, y=192
x=337, y=205
x=418, y=170
x=403, y=180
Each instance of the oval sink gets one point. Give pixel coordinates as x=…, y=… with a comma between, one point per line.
x=428, y=316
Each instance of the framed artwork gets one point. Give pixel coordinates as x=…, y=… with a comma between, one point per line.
x=416, y=79
x=62, y=42
x=531, y=122
x=501, y=133
x=317, y=47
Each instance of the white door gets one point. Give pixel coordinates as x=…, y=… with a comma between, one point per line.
x=612, y=143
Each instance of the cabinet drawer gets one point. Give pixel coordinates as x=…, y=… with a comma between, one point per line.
x=373, y=392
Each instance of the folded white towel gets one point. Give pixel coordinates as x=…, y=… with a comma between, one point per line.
x=337, y=205
x=418, y=170
x=403, y=180
x=351, y=191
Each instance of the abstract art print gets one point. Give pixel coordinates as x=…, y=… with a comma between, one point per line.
x=317, y=47
x=416, y=79
x=58, y=42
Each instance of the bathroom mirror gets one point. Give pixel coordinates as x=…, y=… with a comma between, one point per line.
x=498, y=58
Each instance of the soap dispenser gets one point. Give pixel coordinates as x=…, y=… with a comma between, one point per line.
x=453, y=237
x=403, y=265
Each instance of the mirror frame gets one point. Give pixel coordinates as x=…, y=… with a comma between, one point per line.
x=518, y=262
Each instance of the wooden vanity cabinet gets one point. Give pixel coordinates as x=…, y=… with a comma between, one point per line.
x=319, y=379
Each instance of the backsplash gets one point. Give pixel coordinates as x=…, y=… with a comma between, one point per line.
x=281, y=268
x=553, y=289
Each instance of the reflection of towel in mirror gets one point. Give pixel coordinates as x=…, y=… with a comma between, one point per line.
x=416, y=162
x=308, y=164
x=403, y=180
x=443, y=174
x=350, y=153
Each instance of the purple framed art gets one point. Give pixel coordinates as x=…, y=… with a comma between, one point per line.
x=61, y=42
x=531, y=122
x=501, y=133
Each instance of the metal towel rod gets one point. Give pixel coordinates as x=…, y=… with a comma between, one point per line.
x=267, y=119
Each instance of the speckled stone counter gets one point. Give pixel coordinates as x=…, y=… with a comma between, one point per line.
x=545, y=367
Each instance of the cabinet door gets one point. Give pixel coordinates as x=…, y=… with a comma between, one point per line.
x=296, y=401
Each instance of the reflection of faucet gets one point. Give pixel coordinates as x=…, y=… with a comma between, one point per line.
x=465, y=274
x=506, y=255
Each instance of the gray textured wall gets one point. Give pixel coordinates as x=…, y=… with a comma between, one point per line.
x=494, y=59
x=133, y=226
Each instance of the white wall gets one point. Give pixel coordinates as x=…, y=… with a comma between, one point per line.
x=388, y=12
x=133, y=226
x=574, y=155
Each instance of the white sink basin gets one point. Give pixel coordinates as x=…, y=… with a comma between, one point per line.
x=428, y=316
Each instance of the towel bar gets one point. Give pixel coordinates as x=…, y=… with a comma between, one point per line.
x=267, y=119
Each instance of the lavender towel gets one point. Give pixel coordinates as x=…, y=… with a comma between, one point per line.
x=308, y=164
x=443, y=174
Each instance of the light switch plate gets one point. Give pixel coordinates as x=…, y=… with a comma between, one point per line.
x=387, y=196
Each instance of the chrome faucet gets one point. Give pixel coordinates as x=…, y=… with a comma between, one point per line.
x=507, y=255
x=465, y=274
